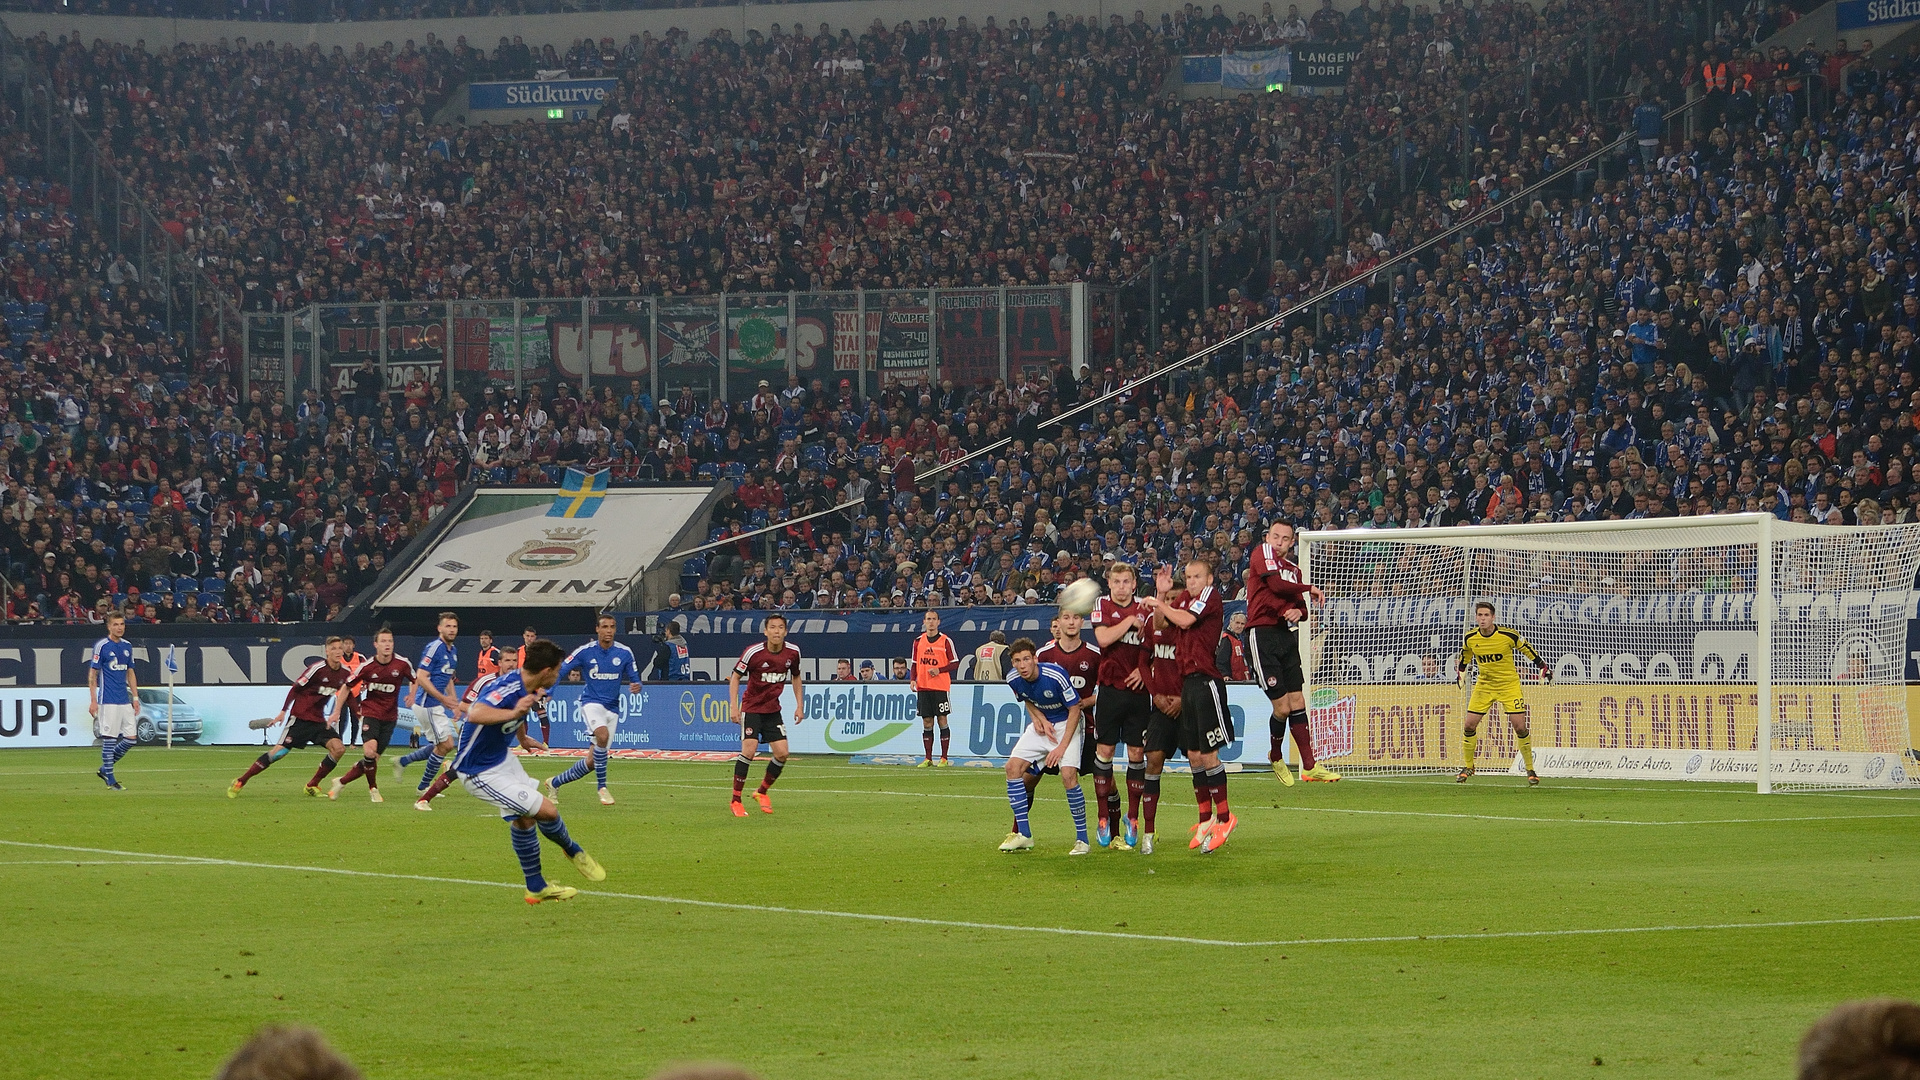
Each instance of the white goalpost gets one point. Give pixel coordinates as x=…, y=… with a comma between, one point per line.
x=1732, y=648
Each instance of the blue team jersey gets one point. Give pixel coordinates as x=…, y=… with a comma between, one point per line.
x=679, y=662
x=606, y=672
x=438, y=661
x=482, y=746
x=113, y=660
x=1051, y=691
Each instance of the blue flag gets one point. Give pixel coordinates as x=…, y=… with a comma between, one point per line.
x=580, y=495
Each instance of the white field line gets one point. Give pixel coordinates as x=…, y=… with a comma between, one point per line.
x=1061, y=931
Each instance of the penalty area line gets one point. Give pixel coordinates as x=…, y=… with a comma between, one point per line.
x=1058, y=931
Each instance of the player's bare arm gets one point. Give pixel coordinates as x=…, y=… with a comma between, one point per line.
x=799, y=699
x=1063, y=736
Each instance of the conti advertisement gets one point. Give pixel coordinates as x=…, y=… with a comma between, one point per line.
x=1835, y=734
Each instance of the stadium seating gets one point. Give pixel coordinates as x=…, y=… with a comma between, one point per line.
x=1511, y=368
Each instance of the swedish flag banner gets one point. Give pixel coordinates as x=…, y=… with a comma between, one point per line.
x=580, y=494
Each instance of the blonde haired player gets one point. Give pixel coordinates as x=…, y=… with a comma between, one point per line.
x=1490, y=647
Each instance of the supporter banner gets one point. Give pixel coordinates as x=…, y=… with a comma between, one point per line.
x=1869, y=14
x=617, y=343
x=903, y=351
x=757, y=344
x=1671, y=731
x=507, y=552
x=689, y=343
x=532, y=355
x=1197, y=70
x=1322, y=65
x=416, y=348
x=1260, y=69
x=547, y=94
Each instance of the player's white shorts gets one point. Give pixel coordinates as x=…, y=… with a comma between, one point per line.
x=1032, y=747
x=593, y=717
x=508, y=787
x=118, y=722
x=434, y=722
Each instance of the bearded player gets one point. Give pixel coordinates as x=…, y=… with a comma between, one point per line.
x=375, y=688
x=765, y=668
x=307, y=698
x=1206, y=726
x=1119, y=628
x=1277, y=593
x=492, y=774
x=436, y=708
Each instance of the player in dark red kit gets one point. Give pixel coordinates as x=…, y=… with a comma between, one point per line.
x=1119, y=622
x=765, y=669
x=1277, y=594
x=1159, y=673
x=375, y=688
x=1080, y=659
x=1206, y=726
x=307, y=700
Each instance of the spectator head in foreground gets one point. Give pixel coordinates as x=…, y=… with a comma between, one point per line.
x=1877, y=1039
x=287, y=1053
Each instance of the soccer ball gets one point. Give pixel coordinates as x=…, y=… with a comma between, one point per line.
x=1079, y=597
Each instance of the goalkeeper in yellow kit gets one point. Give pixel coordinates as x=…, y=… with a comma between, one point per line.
x=1491, y=648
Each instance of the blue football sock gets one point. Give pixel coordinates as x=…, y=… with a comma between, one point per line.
x=556, y=831
x=1077, y=802
x=417, y=755
x=600, y=764
x=433, y=770
x=107, y=756
x=1017, y=795
x=526, y=844
x=574, y=772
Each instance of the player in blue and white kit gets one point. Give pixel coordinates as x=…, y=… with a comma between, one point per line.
x=113, y=697
x=1052, y=739
x=433, y=682
x=492, y=774
x=607, y=667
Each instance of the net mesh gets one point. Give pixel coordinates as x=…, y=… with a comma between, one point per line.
x=1651, y=633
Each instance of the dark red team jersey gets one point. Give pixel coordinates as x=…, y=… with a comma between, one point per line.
x=379, y=686
x=1121, y=658
x=307, y=698
x=1159, y=659
x=1196, y=644
x=1082, y=665
x=763, y=674
x=1274, y=587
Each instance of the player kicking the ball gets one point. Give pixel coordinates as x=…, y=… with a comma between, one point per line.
x=307, y=698
x=765, y=668
x=1052, y=739
x=492, y=774
x=1490, y=647
x=374, y=691
x=607, y=667
x=507, y=660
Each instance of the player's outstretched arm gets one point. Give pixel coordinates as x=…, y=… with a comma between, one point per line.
x=492, y=716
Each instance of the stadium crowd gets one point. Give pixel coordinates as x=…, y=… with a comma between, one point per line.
x=1726, y=325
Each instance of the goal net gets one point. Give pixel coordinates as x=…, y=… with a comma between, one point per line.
x=1731, y=648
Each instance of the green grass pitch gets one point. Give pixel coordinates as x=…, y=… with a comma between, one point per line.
x=1410, y=927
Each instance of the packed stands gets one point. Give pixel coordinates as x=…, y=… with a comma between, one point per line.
x=1721, y=320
